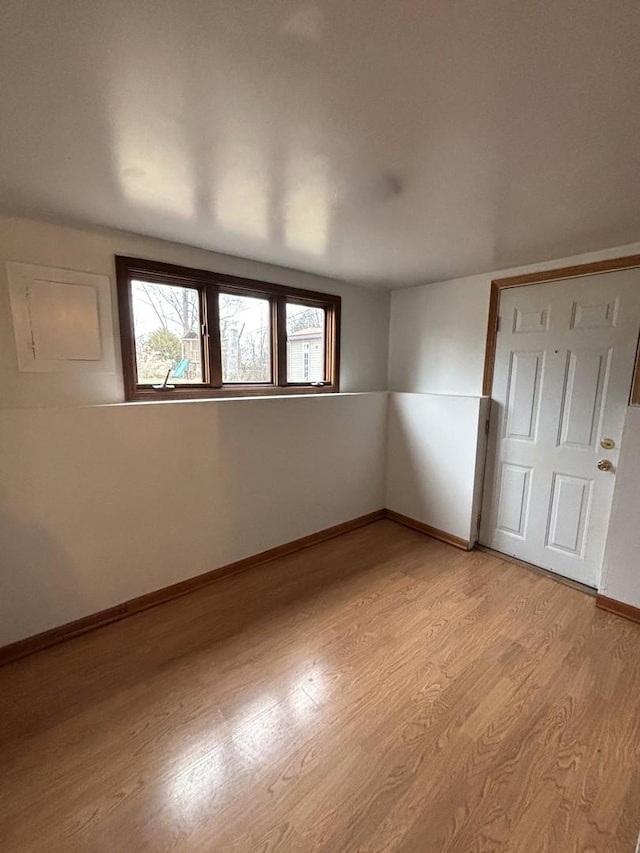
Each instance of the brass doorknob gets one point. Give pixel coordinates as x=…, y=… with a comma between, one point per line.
x=604, y=465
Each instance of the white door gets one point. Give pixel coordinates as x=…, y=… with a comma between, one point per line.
x=563, y=371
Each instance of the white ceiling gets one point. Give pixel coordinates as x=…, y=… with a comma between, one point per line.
x=376, y=141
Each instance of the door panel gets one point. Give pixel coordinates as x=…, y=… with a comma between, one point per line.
x=514, y=499
x=568, y=513
x=594, y=315
x=523, y=395
x=564, y=364
x=531, y=321
x=583, y=397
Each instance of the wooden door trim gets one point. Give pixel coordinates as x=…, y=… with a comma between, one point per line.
x=498, y=284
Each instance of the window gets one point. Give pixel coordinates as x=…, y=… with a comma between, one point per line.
x=245, y=339
x=167, y=325
x=305, y=343
x=192, y=333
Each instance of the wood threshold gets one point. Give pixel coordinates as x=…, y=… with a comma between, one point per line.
x=547, y=573
x=619, y=608
x=434, y=532
x=30, y=645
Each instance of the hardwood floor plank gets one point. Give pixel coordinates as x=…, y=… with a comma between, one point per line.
x=380, y=691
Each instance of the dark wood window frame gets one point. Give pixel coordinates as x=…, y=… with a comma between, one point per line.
x=209, y=285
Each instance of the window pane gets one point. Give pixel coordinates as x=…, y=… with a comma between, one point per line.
x=305, y=343
x=167, y=325
x=245, y=338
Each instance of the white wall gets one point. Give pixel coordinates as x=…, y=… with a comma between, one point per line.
x=437, y=337
x=437, y=333
x=436, y=345
x=365, y=312
x=434, y=442
x=621, y=575
x=101, y=504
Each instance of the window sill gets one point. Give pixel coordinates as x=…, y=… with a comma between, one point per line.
x=150, y=395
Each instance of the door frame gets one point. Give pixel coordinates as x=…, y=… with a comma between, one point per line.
x=576, y=271
x=540, y=277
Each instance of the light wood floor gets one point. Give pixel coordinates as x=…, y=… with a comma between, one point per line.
x=378, y=692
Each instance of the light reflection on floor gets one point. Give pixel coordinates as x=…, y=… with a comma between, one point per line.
x=254, y=736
